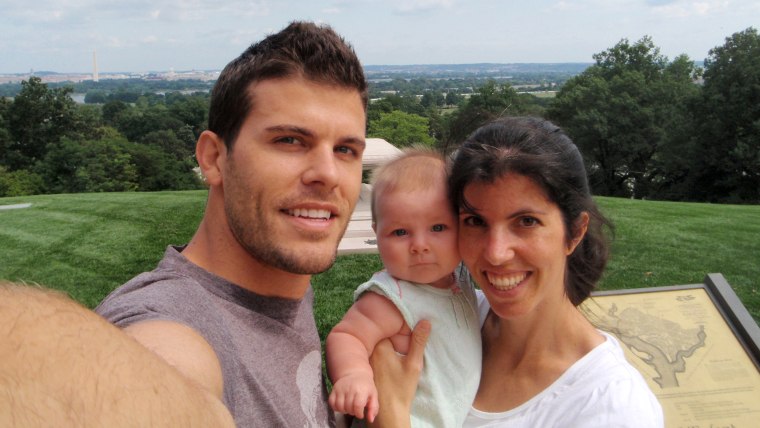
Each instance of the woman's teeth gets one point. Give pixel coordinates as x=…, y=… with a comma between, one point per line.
x=505, y=282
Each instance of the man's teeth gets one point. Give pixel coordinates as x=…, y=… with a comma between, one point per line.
x=505, y=282
x=307, y=213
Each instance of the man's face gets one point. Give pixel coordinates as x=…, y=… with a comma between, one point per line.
x=293, y=176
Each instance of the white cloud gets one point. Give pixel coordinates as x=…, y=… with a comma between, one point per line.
x=115, y=42
x=688, y=8
x=416, y=6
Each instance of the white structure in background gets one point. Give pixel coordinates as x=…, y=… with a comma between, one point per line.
x=359, y=237
x=95, y=76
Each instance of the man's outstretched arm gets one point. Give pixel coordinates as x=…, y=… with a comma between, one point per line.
x=63, y=365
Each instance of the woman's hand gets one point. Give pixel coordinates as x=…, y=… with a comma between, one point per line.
x=396, y=377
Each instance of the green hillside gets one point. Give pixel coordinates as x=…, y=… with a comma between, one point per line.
x=87, y=244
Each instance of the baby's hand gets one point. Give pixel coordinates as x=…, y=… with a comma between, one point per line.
x=352, y=394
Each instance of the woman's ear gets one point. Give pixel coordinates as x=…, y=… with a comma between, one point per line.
x=579, y=231
x=211, y=153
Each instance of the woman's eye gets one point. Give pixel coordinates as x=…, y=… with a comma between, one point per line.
x=438, y=228
x=529, y=221
x=399, y=232
x=473, y=221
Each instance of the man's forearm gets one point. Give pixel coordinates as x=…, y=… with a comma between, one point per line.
x=64, y=365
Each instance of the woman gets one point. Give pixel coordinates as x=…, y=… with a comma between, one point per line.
x=531, y=237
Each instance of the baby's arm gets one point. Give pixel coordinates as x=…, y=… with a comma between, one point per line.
x=371, y=319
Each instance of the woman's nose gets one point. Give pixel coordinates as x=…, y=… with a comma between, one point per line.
x=499, y=248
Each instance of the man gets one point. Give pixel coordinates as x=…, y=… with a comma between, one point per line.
x=231, y=312
x=282, y=158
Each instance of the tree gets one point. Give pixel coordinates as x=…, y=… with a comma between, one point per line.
x=407, y=103
x=489, y=102
x=453, y=99
x=19, y=183
x=95, y=96
x=432, y=99
x=89, y=166
x=113, y=164
x=170, y=143
x=618, y=112
x=5, y=135
x=37, y=118
x=401, y=129
x=673, y=164
x=191, y=110
x=111, y=111
x=139, y=121
x=727, y=158
x=159, y=170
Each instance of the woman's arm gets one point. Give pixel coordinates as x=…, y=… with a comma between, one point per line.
x=396, y=377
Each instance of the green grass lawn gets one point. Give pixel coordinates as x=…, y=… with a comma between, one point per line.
x=88, y=244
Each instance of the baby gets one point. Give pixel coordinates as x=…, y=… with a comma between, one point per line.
x=416, y=229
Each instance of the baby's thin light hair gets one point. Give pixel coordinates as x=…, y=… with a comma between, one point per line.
x=416, y=168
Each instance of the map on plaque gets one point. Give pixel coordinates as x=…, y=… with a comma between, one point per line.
x=692, y=360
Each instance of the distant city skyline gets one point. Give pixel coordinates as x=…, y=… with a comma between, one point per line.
x=140, y=36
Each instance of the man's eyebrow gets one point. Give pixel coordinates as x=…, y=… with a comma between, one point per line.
x=290, y=129
x=355, y=141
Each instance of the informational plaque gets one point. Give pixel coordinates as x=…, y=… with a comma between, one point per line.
x=696, y=345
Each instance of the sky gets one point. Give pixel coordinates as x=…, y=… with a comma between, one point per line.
x=179, y=35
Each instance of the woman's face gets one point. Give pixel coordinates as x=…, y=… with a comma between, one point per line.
x=514, y=245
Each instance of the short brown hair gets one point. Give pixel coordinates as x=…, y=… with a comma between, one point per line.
x=304, y=49
x=416, y=168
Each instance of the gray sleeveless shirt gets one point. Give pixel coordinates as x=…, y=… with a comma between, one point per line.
x=268, y=347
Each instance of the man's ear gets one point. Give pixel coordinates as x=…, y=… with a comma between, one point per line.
x=211, y=153
x=579, y=231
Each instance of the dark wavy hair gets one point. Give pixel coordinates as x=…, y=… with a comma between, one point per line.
x=303, y=49
x=539, y=150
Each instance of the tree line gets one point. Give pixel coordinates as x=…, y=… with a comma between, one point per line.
x=648, y=127
x=50, y=144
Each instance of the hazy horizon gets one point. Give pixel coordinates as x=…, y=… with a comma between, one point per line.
x=141, y=36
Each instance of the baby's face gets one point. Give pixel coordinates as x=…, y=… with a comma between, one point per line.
x=417, y=235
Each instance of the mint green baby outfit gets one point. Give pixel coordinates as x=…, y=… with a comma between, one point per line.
x=453, y=353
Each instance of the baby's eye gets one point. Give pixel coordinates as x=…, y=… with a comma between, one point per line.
x=399, y=232
x=438, y=228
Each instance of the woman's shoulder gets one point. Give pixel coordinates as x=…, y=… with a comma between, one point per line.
x=614, y=390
